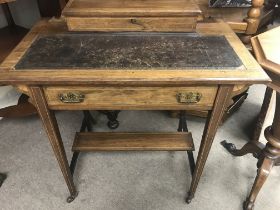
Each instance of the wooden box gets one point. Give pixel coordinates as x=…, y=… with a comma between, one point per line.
x=131, y=15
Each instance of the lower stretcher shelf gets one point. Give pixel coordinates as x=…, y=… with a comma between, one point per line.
x=112, y=141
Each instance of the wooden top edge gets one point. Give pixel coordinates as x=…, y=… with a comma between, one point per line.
x=76, y=8
x=120, y=79
x=129, y=13
x=268, y=43
x=261, y=58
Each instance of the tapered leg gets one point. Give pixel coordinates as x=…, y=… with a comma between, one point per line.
x=49, y=121
x=211, y=126
x=262, y=175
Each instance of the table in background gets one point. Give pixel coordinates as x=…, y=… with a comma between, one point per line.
x=266, y=49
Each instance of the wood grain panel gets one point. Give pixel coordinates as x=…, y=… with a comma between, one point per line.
x=130, y=98
x=167, y=24
x=238, y=27
x=120, y=8
x=133, y=141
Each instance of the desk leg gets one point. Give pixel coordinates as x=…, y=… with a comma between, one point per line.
x=211, y=126
x=49, y=121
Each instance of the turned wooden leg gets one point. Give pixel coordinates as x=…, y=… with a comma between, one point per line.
x=262, y=114
x=49, y=121
x=271, y=155
x=253, y=17
x=211, y=126
x=262, y=175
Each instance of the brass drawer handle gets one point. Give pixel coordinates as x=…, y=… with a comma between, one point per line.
x=71, y=97
x=189, y=98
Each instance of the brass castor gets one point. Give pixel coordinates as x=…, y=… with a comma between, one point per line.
x=247, y=205
x=72, y=197
x=189, y=198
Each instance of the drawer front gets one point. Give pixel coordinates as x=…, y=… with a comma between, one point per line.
x=160, y=24
x=131, y=98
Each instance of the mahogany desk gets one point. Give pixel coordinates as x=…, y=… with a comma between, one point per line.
x=180, y=76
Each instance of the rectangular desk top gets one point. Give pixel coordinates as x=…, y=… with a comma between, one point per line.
x=214, y=56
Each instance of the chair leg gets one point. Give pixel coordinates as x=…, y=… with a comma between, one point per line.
x=183, y=127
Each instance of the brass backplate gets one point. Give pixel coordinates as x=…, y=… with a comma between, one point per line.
x=189, y=97
x=71, y=97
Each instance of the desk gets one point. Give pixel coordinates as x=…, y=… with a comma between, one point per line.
x=164, y=87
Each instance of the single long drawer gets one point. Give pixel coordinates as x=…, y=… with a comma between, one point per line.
x=160, y=24
x=131, y=98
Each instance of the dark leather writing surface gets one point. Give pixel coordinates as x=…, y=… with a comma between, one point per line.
x=129, y=51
